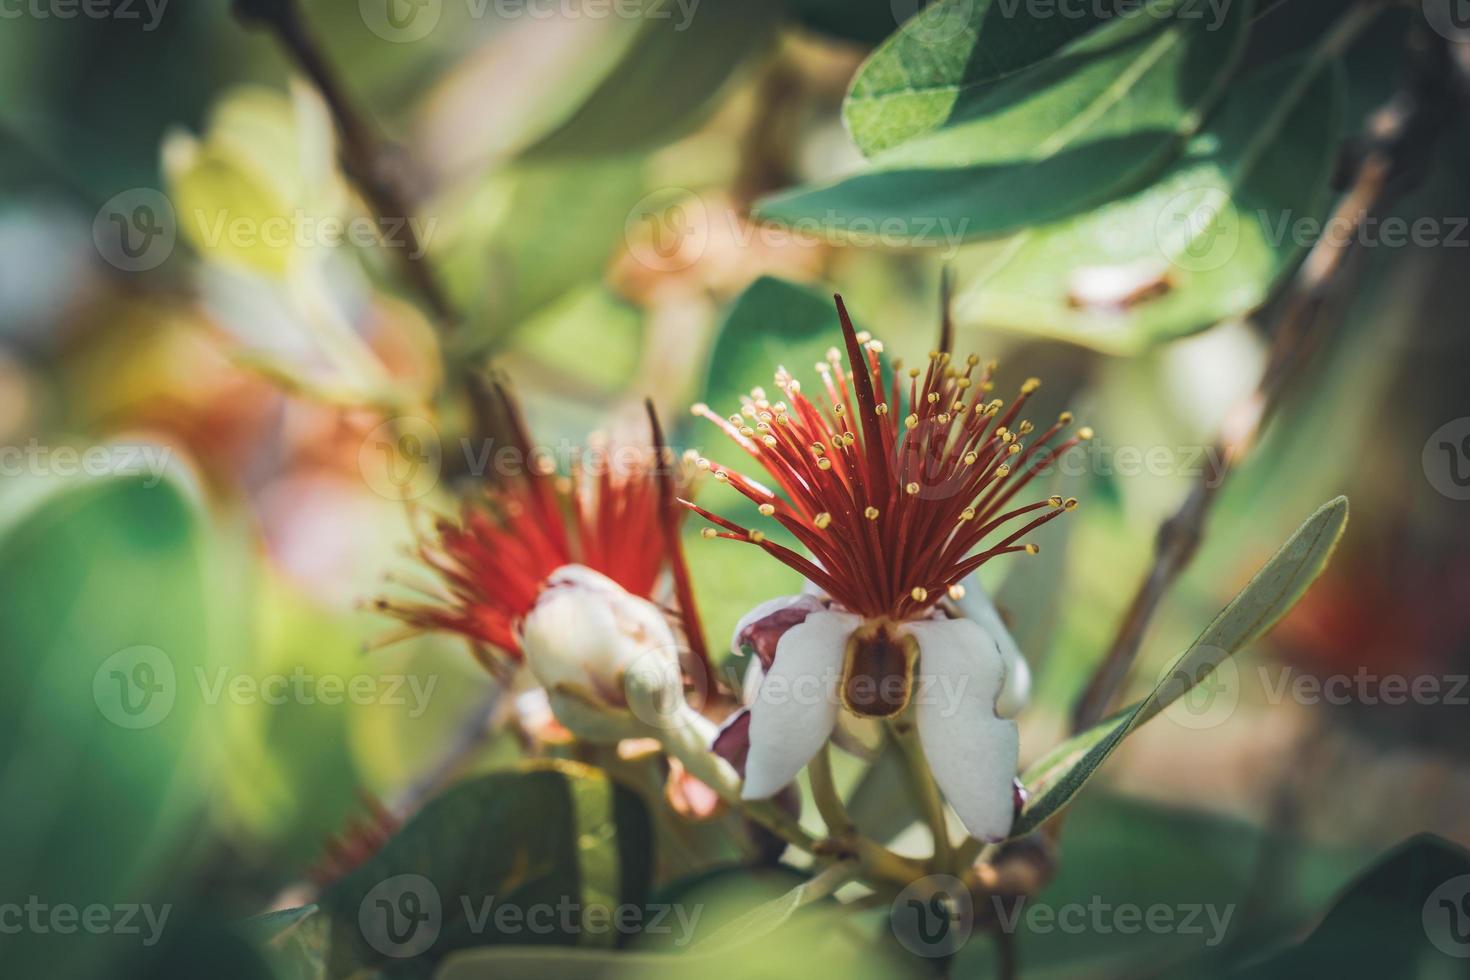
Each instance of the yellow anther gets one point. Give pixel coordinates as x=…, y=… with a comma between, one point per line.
x=757, y=537
x=1084, y=433
x=1064, y=419
x=871, y=513
x=699, y=408
x=1026, y=428
x=1070, y=503
x=1030, y=385
x=824, y=463
x=770, y=441
x=708, y=532
x=1055, y=500
x=932, y=397
x=1033, y=549
x=919, y=593
x=956, y=592
x=912, y=489
x=1003, y=470
x=818, y=449
x=881, y=408
x=968, y=514
x=822, y=520
x=1014, y=448
x=767, y=509
x=721, y=475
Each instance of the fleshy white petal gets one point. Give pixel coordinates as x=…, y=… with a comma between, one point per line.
x=761, y=629
x=972, y=752
x=977, y=605
x=796, y=708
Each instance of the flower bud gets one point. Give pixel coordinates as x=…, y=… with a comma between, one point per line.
x=585, y=631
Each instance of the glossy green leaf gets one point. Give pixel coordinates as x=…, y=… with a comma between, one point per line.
x=945, y=55
x=1407, y=916
x=1067, y=133
x=476, y=864
x=680, y=58
x=1055, y=779
x=106, y=614
x=1205, y=242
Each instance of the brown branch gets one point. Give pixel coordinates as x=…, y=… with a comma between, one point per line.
x=1398, y=138
x=368, y=162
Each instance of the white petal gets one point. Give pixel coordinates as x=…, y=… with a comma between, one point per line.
x=976, y=605
x=767, y=608
x=796, y=707
x=972, y=752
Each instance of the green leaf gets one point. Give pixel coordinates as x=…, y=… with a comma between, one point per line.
x=680, y=58
x=512, y=248
x=1053, y=780
x=1406, y=914
x=295, y=941
x=881, y=803
x=1067, y=133
x=773, y=322
x=106, y=613
x=944, y=56
x=550, y=836
x=1205, y=242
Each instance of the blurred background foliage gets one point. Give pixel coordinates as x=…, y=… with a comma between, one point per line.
x=551, y=162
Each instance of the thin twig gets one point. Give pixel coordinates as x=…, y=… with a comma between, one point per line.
x=1409, y=122
x=366, y=159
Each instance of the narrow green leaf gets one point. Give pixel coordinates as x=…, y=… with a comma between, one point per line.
x=941, y=57
x=1053, y=780
x=1205, y=242
x=1066, y=133
x=680, y=59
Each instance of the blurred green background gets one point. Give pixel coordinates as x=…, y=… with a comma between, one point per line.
x=582, y=186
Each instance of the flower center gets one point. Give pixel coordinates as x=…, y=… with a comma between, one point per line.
x=878, y=670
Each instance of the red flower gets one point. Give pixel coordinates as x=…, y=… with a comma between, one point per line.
x=891, y=490
x=613, y=514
